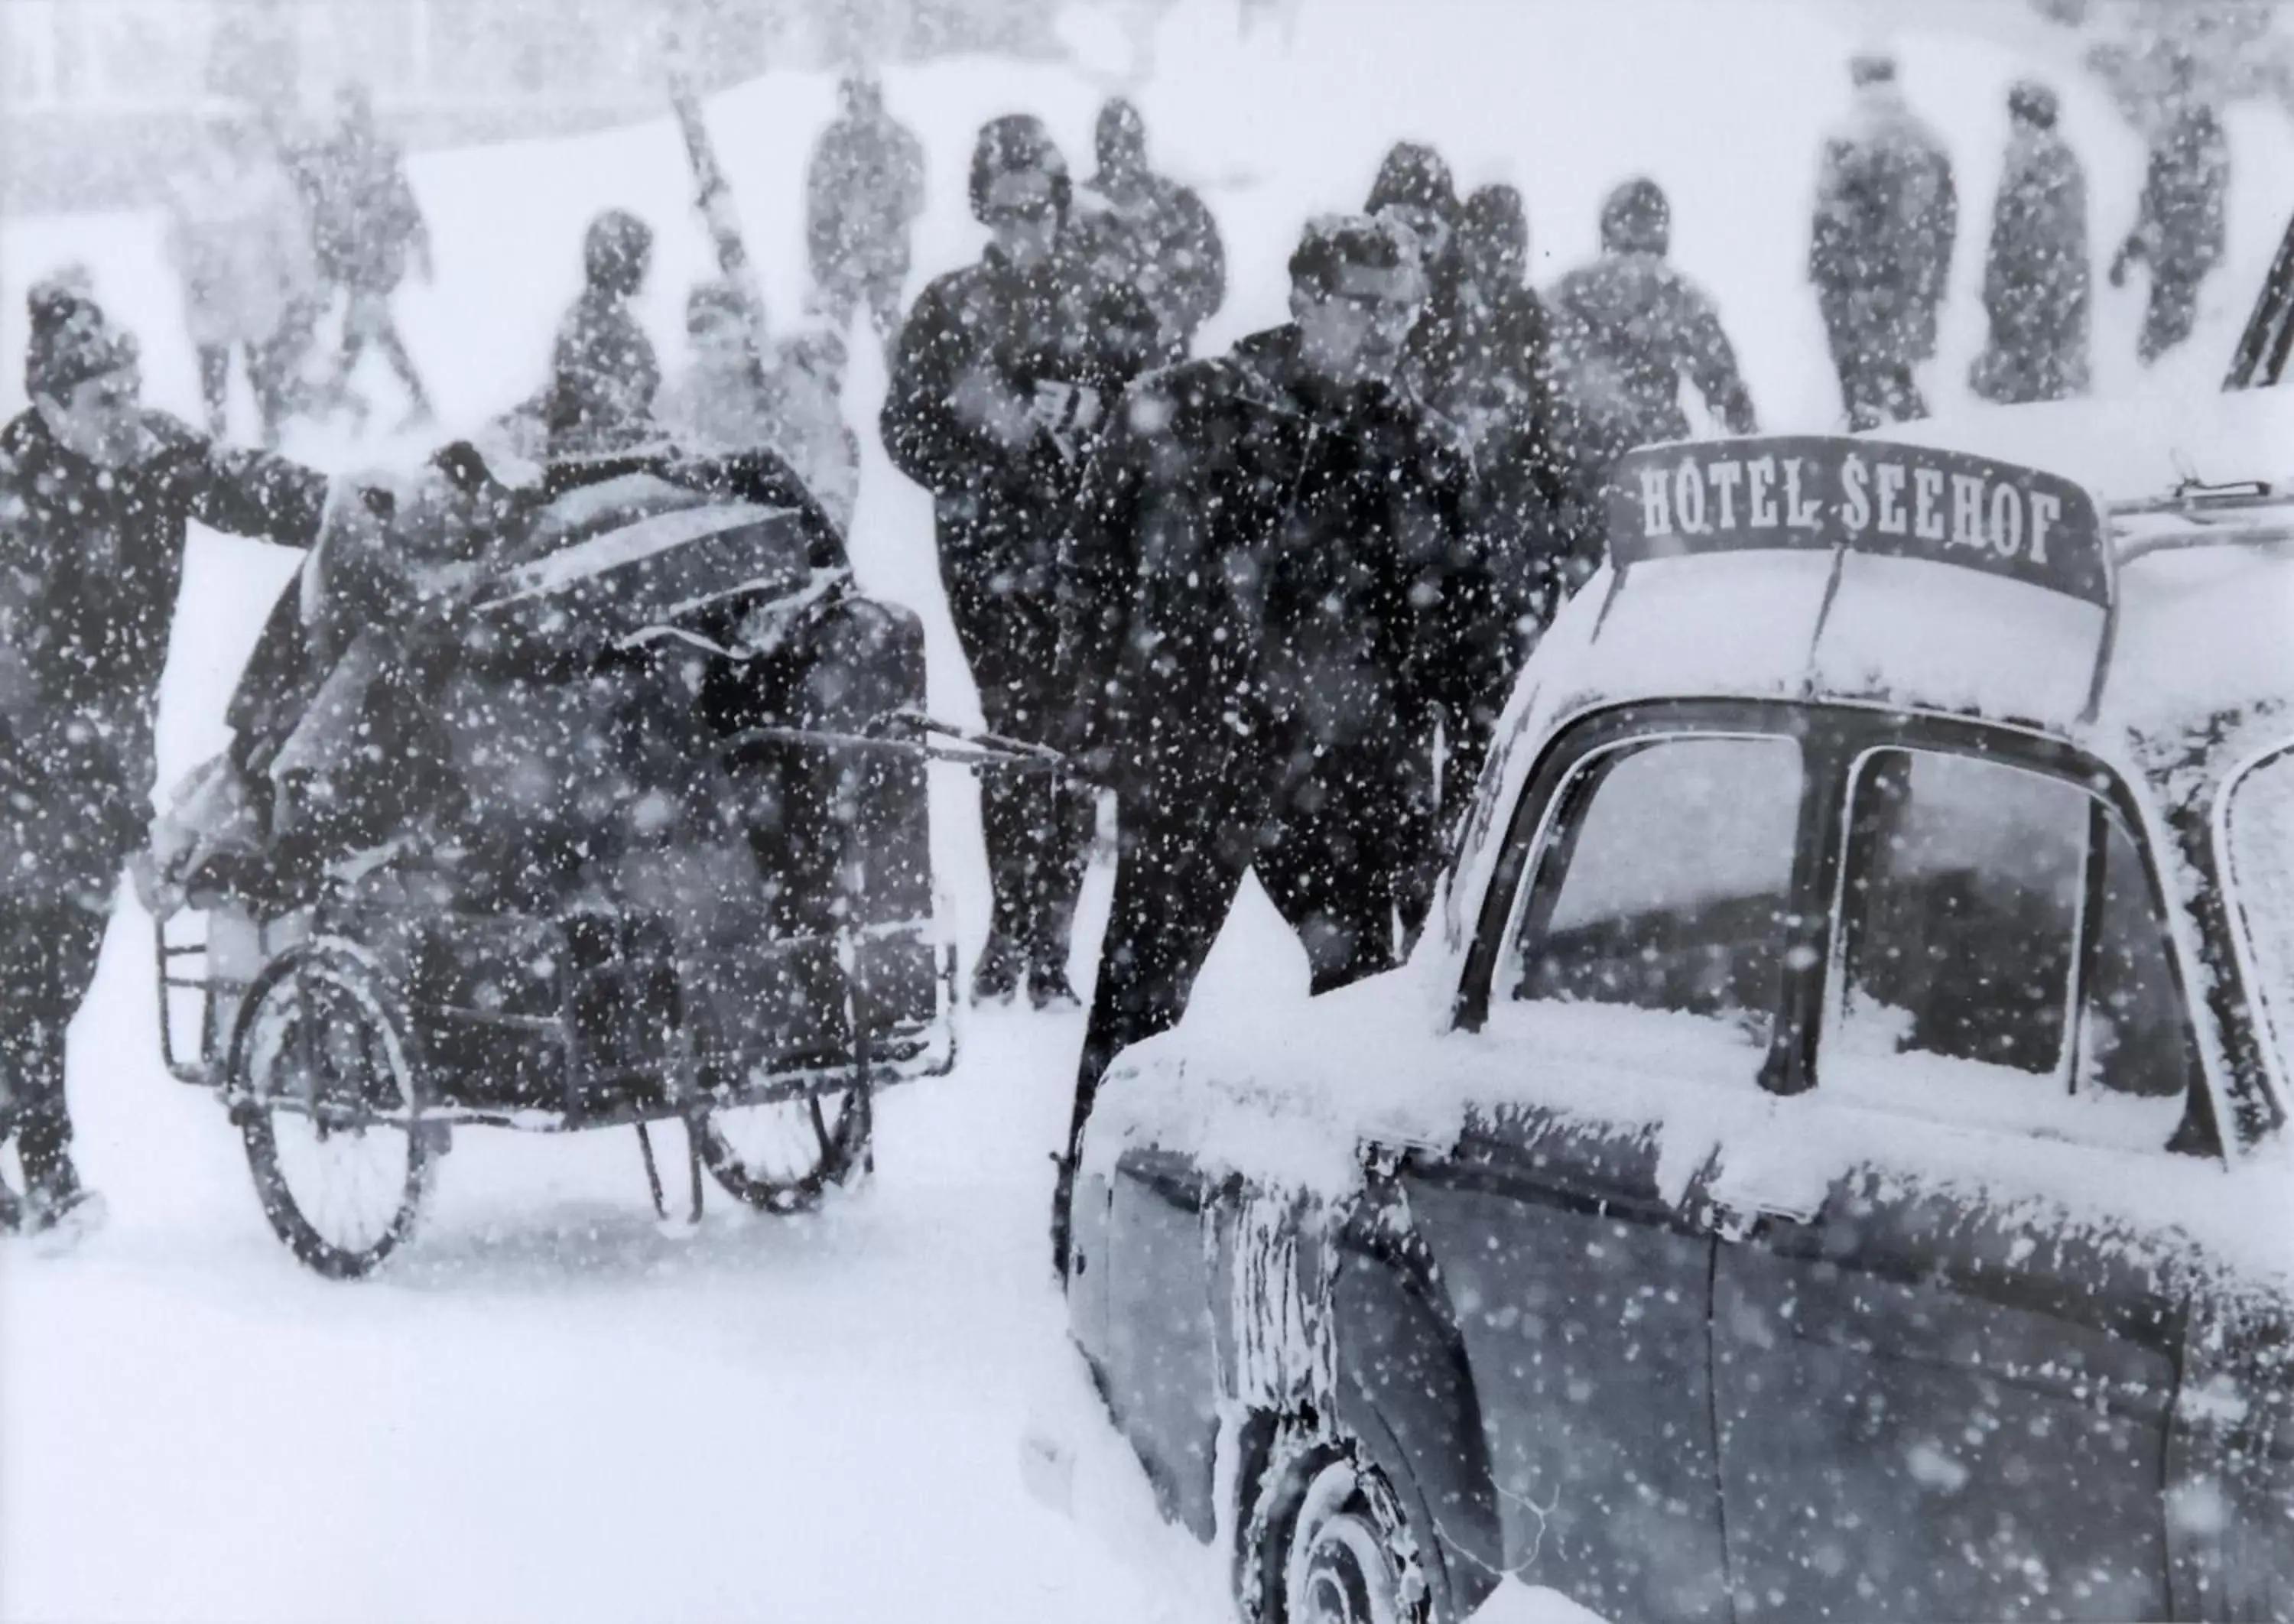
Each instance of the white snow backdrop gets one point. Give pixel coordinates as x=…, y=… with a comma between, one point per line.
x=546, y=1409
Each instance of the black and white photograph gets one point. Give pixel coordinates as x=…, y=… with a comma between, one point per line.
x=1146, y=811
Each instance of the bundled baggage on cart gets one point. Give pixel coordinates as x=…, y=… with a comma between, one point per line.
x=597, y=803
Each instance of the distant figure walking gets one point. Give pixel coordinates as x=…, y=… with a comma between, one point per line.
x=238, y=241
x=367, y=228
x=2179, y=230
x=1627, y=329
x=602, y=373
x=1887, y=214
x=2036, y=280
x=863, y=191
x=1162, y=239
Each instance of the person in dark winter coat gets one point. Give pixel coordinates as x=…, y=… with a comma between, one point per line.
x=1627, y=329
x=2179, y=230
x=602, y=373
x=2035, y=275
x=1165, y=242
x=1414, y=189
x=1503, y=400
x=96, y=493
x=1254, y=592
x=367, y=230
x=1887, y=214
x=863, y=190
x=999, y=394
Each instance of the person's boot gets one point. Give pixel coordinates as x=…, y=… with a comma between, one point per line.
x=59, y=1210
x=996, y=978
x=1048, y=988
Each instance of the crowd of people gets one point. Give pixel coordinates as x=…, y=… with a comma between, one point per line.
x=1273, y=598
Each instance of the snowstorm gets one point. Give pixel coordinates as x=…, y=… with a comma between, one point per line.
x=1281, y=811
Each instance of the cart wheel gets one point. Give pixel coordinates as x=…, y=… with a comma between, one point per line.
x=779, y=1156
x=326, y=1101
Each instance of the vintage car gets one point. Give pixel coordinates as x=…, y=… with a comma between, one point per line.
x=1828, y=1156
x=594, y=802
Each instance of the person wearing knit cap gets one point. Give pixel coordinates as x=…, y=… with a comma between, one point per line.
x=96, y=492
x=1414, y=189
x=1887, y=215
x=1627, y=329
x=1268, y=582
x=864, y=189
x=2036, y=279
x=1002, y=386
x=1164, y=240
x=603, y=372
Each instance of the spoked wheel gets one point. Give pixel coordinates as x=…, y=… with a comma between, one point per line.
x=328, y=1106
x=780, y=1156
x=1328, y=1542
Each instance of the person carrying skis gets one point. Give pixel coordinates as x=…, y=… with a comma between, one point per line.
x=2035, y=272
x=1165, y=242
x=1252, y=595
x=864, y=187
x=1887, y=214
x=96, y=494
x=1006, y=379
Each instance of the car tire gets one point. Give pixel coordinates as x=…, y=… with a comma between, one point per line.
x=1327, y=1539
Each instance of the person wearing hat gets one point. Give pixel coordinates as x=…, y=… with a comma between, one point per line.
x=1167, y=244
x=1269, y=574
x=1887, y=215
x=95, y=495
x=2035, y=272
x=603, y=372
x=1627, y=329
x=1414, y=189
x=1006, y=379
x=864, y=189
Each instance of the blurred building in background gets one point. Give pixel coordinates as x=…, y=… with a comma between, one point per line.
x=96, y=96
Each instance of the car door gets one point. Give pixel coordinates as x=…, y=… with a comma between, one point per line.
x=1937, y=1398
x=1632, y=978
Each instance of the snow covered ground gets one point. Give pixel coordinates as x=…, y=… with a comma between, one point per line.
x=548, y=1409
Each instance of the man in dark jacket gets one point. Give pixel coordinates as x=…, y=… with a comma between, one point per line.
x=2179, y=230
x=1887, y=214
x=998, y=396
x=1255, y=589
x=2035, y=273
x=862, y=192
x=1627, y=329
x=95, y=496
x=367, y=228
x=1165, y=243
x=603, y=374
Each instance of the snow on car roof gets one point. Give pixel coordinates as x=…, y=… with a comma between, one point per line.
x=1991, y=593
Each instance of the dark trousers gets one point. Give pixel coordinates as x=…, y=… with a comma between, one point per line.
x=1329, y=838
x=267, y=372
x=876, y=284
x=1037, y=829
x=48, y=948
x=1874, y=355
x=2172, y=311
x=367, y=319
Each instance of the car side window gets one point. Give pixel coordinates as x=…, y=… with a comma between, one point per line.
x=1664, y=884
x=2000, y=957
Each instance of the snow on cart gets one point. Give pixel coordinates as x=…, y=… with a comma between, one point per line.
x=592, y=804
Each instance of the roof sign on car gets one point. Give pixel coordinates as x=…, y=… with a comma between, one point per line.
x=1819, y=494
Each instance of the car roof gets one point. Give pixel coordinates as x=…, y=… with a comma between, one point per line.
x=2182, y=644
